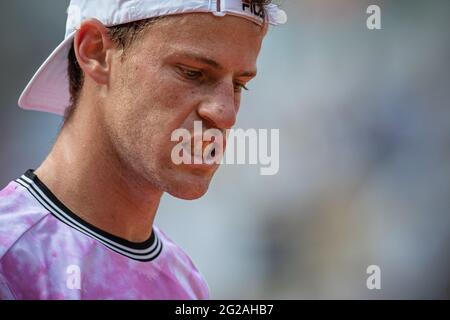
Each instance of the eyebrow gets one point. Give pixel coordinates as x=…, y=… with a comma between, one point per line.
x=214, y=64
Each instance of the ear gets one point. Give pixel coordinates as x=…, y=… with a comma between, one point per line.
x=93, y=46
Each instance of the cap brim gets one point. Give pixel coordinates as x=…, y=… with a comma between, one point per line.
x=48, y=90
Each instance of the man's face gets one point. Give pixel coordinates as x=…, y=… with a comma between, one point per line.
x=182, y=69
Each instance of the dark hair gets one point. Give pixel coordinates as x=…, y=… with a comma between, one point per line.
x=122, y=35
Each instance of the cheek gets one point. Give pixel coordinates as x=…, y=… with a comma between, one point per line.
x=151, y=104
x=237, y=102
x=156, y=90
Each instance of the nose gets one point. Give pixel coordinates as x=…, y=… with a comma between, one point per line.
x=219, y=108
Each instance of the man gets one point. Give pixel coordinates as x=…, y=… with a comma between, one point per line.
x=81, y=226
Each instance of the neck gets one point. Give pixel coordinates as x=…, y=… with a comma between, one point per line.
x=92, y=182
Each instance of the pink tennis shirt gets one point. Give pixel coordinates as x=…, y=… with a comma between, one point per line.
x=48, y=252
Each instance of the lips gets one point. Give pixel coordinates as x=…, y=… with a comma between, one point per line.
x=210, y=152
x=204, y=152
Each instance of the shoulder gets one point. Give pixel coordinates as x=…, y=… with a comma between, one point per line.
x=19, y=212
x=172, y=250
x=180, y=263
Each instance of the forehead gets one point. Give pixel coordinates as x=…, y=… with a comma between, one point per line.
x=227, y=38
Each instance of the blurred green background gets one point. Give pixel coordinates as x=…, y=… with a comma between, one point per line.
x=364, y=177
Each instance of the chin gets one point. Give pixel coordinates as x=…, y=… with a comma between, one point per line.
x=188, y=194
x=189, y=189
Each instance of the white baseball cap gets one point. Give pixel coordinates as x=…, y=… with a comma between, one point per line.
x=48, y=90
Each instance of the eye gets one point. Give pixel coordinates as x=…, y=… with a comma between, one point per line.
x=190, y=73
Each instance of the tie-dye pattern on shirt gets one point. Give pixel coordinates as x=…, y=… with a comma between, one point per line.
x=48, y=253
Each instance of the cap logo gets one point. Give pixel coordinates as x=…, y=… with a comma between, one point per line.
x=256, y=9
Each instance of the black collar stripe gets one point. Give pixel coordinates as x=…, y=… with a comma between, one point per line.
x=130, y=255
x=144, y=256
x=66, y=214
x=143, y=252
x=68, y=220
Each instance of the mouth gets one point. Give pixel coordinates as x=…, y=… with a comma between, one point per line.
x=209, y=154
